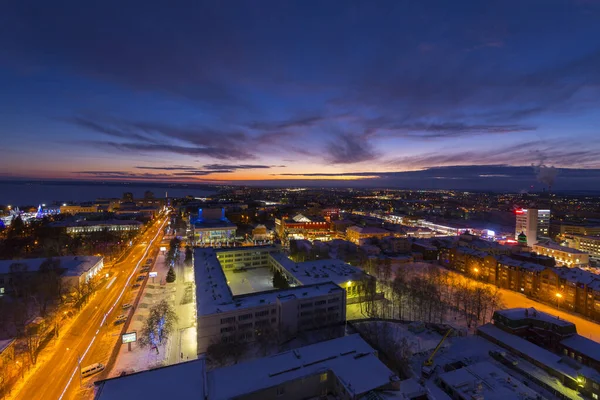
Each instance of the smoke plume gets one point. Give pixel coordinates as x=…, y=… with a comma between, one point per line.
x=545, y=174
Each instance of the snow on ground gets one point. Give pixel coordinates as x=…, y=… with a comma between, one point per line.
x=139, y=359
x=250, y=281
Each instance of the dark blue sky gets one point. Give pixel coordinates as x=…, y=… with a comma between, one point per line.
x=360, y=92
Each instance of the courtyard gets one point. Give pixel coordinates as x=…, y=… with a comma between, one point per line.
x=250, y=280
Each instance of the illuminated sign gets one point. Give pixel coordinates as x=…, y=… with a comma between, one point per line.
x=520, y=211
x=163, y=249
x=129, y=337
x=153, y=274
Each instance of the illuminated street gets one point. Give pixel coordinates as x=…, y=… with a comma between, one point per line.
x=58, y=377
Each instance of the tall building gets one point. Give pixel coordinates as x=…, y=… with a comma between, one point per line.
x=534, y=223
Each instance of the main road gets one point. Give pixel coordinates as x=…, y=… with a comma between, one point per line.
x=59, y=376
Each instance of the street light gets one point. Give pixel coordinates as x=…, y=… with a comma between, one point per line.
x=558, y=297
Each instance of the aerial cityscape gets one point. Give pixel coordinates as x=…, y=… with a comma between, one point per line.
x=300, y=200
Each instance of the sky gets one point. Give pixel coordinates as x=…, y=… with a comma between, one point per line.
x=433, y=94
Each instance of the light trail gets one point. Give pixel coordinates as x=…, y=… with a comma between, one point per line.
x=113, y=306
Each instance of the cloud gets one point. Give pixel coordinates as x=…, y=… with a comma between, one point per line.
x=236, y=166
x=350, y=149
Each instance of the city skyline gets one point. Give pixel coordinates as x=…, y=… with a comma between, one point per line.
x=435, y=95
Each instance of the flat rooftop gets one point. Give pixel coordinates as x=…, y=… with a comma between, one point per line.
x=486, y=381
x=532, y=313
x=74, y=265
x=179, y=381
x=213, y=294
x=583, y=345
x=556, y=246
x=349, y=358
x=214, y=224
x=319, y=271
x=533, y=351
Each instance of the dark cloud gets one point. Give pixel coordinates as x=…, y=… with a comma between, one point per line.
x=145, y=137
x=301, y=122
x=235, y=166
x=350, y=149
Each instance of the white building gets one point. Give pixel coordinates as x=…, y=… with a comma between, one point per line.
x=227, y=318
x=87, y=227
x=534, y=223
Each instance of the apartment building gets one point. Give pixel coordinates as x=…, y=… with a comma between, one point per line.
x=563, y=255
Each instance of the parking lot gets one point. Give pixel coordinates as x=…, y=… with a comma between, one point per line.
x=250, y=281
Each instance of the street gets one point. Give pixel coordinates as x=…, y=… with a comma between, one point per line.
x=585, y=327
x=58, y=377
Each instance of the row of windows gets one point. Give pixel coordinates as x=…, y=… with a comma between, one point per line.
x=249, y=325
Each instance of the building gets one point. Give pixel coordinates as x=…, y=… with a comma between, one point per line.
x=360, y=234
x=302, y=227
x=538, y=327
x=563, y=255
x=343, y=368
x=566, y=370
x=78, y=209
x=534, y=223
x=76, y=270
x=210, y=227
x=567, y=229
x=260, y=233
x=588, y=244
x=484, y=381
x=223, y=317
x=77, y=228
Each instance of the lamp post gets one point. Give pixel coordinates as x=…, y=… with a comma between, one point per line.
x=558, y=297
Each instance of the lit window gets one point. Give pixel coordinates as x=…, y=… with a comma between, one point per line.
x=323, y=377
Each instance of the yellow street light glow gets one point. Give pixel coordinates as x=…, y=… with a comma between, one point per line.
x=476, y=269
x=349, y=283
x=558, y=295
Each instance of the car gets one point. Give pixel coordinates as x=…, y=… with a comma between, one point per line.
x=126, y=306
x=136, y=285
x=145, y=269
x=149, y=261
x=120, y=319
x=141, y=278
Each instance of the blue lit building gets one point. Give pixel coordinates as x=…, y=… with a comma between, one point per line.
x=210, y=227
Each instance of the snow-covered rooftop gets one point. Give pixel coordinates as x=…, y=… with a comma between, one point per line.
x=540, y=355
x=486, y=381
x=532, y=313
x=583, y=345
x=73, y=265
x=555, y=246
x=179, y=381
x=213, y=294
x=121, y=222
x=349, y=358
x=319, y=271
x=521, y=264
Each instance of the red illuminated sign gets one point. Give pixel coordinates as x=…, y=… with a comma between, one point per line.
x=519, y=211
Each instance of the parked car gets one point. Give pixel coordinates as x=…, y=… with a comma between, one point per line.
x=126, y=306
x=121, y=319
x=136, y=285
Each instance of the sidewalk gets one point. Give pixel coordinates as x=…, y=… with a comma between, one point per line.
x=183, y=337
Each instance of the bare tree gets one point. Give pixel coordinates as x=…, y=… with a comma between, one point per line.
x=158, y=325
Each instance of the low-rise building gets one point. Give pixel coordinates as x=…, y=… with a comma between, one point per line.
x=76, y=228
x=360, y=234
x=563, y=255
x=345, y=368
x=588, y=244
x=78, y=209
x=75, y=270
x=484, y=381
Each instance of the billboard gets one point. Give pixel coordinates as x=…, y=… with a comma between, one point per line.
x=153, y=274
x=129, y=337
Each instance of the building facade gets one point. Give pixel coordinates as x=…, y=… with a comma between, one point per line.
x=563, y=255
x=534, y=223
